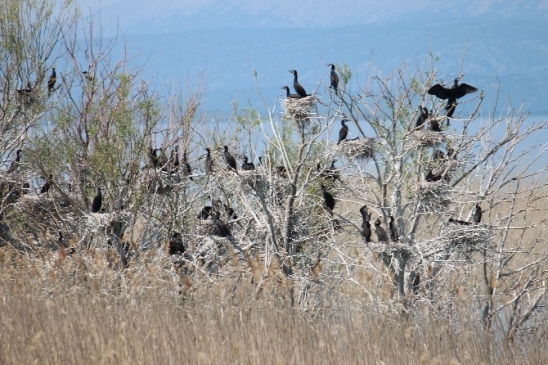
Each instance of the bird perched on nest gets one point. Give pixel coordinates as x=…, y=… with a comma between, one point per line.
x=334, y=78
x=422, y=118
x=477, y=214
x=289, y=95
x=381, y=233
x=208, y=162
x=247, y=166
x=330, y=173
x=430, y=177
x=222, y=227
x=97, y=201
x=393, y=230
x=458, y=221
x=298, y=88
x=366, y=225
x=173, y=161
x=343, y=132
x=187, y=170
x=52, y=80
x=230, y=160
x=435, y=125
x=329, y=201
x=176, y=246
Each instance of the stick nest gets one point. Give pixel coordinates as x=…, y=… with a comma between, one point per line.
x=362, y=149
x=426, y=138
x=434, y=196
x=299, y=109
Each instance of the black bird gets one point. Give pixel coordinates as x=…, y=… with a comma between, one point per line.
x=230, y=160
x=97, y=201
x=298, y=88
x=26, y=188
x=173, y=161
x=230, y=212
x=435, y=125
x=366, y=225
x=153, y=157
x=334, y=78
x=330, y=173
x=52, y=80
x=289, y=95
x=205, y=213
x=422, y=118
x=343, y=132
x=222, y=227
x=15, y=163
x=457, y=221
x=248, y=166
x=176, y=246
x=329, y=201
x=437, y=155
x=477, y=214
x=187, y=170
x=393, y=230
x=450, y=109
x=455, y=92
x=381, y=233
x=430, y=177
x=47, y=185
x=161, y=159
x=208, y=162
x=416, y=283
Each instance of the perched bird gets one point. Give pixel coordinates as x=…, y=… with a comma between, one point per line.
x=435, y=125
x=452, y=94
x=393, y=230
x=457, y=221
x=477, y=214
x=153, y=157
x=222, y=227
x=343, y=132
x=430, y=177
x=15, y=163
x=330, y=173
x=52, y=80
x=230, y=212
x=329, y=201
x=289, y=95
x=173, y=161
x=47, y=185
x=437, y=155
x=176, y=246
x=161, y=160
x=208, y=162
x=230, y=160
x=298, y=88
x=450, y=109
x=416, y=283
x=205, y=213
x=97, y=201
x=248, y=166
x=187, y=170
x=422, y=118
x=380, y=232
x=366, y=225
x=334, y=78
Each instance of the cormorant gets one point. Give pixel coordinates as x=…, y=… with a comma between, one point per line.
x=366, y=225
x=26, y=188
x=455, y=92
x=176, y=246
x=477, y=214
x=393, y=230
x=51, y=81
x=422, y=118
x=187, y=170
x=248, y=166
x=437, y=155
x=457, y=221
x=208, y=162
x=330, y=173
x=173, y=161
x=162, y=159
x=97, y=201
x=343, y=132
x=328, y=199
x=230, y=160
x=15, y=163
x=153, y=157
x=205, y=213
x=430, y=177
x=222, y=227
x=450, y=109
x=47, y=185
x=289, y=95
x=435, y=125
x=381, y=233
x=230, y=212
x=298, y=88
x=334, y=78
x=416, y=283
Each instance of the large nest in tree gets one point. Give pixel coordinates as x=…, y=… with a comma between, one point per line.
x=357, y=148
x=427, y=138
x=299, y=109
x=465, y=237
x=251, y=179
x=434, y=196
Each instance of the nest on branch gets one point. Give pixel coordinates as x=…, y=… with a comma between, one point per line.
x=362, y=149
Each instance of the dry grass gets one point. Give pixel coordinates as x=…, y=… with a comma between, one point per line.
x=59, y=309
